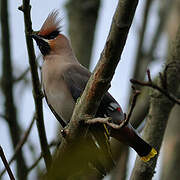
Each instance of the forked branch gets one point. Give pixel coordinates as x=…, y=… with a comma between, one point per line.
x=163, y=89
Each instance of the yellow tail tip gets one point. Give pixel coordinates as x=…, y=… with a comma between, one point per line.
x=149, y=156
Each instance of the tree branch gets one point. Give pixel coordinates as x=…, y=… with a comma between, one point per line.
x=21, y=77
x=11, y=176
x=162, y=90
x=53, y=143
x=20, y=144
x=37, y=93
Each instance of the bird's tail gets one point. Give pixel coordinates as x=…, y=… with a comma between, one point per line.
x=129, y=136
x=150, y=155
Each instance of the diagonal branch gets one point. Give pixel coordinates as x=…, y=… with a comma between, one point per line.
x=3, y=157
x=37, y=93
x=22, y=76
x=151, y=84
x=20, y=144
x=52, y=144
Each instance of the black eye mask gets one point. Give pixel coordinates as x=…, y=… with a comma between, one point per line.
x=52, y=35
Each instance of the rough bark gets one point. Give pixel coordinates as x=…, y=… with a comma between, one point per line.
x=7, y=89
x=96, y=87
x=141, y=108
x=82, y=16
x=160, y=108
x=171, y=156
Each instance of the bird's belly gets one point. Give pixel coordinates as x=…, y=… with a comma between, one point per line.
x=61, y=101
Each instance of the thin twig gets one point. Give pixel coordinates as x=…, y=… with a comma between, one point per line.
x=53, y=143
x=149, y=76
x=35, y=163
x=154, y=86
x=98, y=120
x=3, y=157
x=21, y=77
x=135, y=95
x=20, y=144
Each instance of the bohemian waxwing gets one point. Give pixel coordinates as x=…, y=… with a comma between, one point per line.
x=64, y=80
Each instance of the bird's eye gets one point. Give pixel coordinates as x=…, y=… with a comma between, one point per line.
x=52, y=35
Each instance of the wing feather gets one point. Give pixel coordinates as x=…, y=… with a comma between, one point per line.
x=76, y=78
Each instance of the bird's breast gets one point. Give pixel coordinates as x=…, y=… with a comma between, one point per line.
x=58, y=95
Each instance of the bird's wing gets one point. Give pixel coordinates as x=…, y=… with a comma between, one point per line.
x=76, y=78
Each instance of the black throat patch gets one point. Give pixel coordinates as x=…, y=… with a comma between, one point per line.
x=43, y=46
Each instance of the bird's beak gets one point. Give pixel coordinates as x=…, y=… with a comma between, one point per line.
x=42, y=43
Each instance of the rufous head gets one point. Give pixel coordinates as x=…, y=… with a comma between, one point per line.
x=49, y=39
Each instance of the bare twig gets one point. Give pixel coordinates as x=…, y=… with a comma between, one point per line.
x=21, y=77
x=98, y=120
x=23, y=74
x=11, y=176
x=107, y=122
x=35, y=163
x=135, y=95
x=154, y=86
x=149, y=76
x=37, y=93
x=20, y=144
x=53, y=143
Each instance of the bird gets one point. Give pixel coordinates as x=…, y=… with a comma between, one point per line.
x=64, y=79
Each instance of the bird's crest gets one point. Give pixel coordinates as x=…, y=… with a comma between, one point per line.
x=51, y=24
